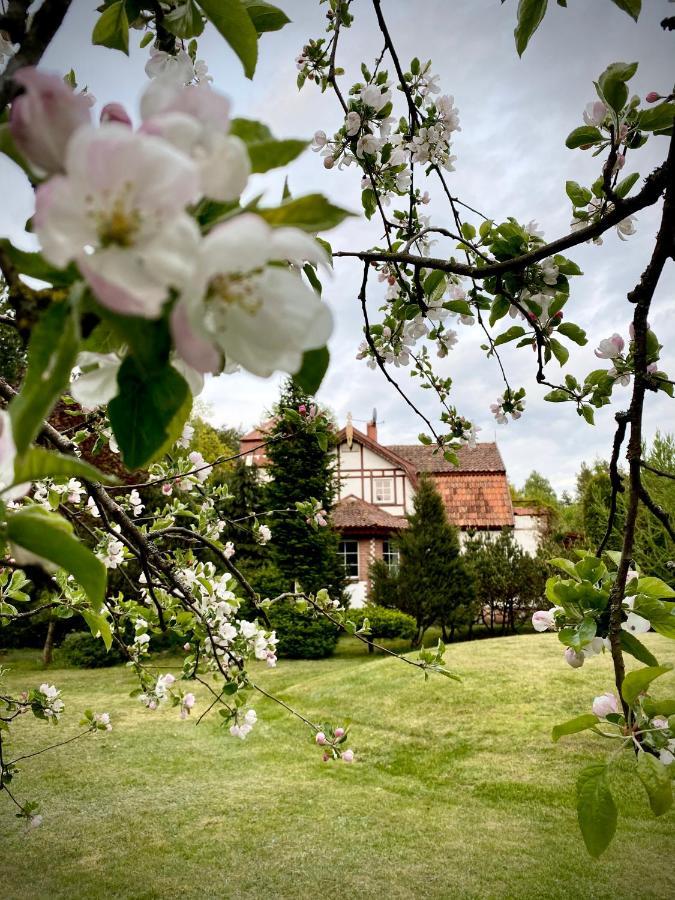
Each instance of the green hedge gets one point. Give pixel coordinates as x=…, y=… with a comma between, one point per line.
x=385, y=623
x=84, y=651
x=301, y=636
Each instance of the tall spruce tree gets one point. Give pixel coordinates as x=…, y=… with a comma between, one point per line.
x=299, y=470
x=433, y=584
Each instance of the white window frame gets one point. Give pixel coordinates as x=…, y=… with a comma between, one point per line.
x=347, y=557
x=390, y=554
x=388, y=495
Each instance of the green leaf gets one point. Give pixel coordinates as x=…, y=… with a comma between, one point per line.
x=530, y=15
x=264, y=150
x=510, y=334
x=638, y=681
x=312, y=371
x=623, y=187
x=267, y=155
x=580, y=196
x=434, y=285
x=574, y=726
x=566, y=565
x=36, y=266
x=264, y=16
x=654, y=587
x=590, y=568
x=573, y=332
x=656, y=780
x=233, y=21
x=612, y=83
x=250, y=131
x=661, y=614
x=369, y=202
x=632, y=7
x=112, y=28
x=500, y=307
x=51, y=356
x=185, y=21
x=578, y=636
x=98, y=624
x=657, y=118
x=142, y=412
x=561, y=353
x=637, y=649
x=310, y=213
x=557, y=396
x=37, y=463
x=581, y=137
x=49, y=536
x=596, y=811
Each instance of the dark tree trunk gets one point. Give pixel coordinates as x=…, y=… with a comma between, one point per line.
x=444, y=631
x=48, y=649
x=452, y=632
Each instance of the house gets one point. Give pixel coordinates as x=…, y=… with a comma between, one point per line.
x=377, y=484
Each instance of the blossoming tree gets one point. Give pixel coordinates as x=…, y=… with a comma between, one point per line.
x=156, y=275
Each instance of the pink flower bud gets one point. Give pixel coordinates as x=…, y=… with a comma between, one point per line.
x=302, y=409
x=328, y=162
x=167, y=489
x=186, y=647
x=43, y=119
x=339, y=732
x=320, y=738
x=348, y=756
x=325, y=757
x=652, y=97
x=115, y=112
x=169, y=679
x=604, y=705
x=189, y=701
x=574, y=659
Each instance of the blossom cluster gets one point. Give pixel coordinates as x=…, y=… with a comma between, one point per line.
x=119, y=202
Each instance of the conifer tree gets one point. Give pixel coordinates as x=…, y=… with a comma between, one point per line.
x=433, y=584
x=300, y=469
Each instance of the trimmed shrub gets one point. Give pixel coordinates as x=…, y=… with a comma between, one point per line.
x=385, y=623
x=83, y=650
x=301, y=636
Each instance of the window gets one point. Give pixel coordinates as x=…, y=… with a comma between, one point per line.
x=390, y=555
x=349, y=554
x=383, y=490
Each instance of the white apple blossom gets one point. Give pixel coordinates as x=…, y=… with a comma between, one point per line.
x=103, y=719
x=549, y=271
x=112, y=554
x=8, y=489
x=52, y=705
x=229, y=550
x=177, y=67
x=137, y=505
x=595, y=113
x=375, y=96
x=352, y=123
x=610, y=348
x=186, y=436
x=119, y=213
x=263, y=534
x=636, y=624
x=196, y=121
x=239, y=307
x=626, y=227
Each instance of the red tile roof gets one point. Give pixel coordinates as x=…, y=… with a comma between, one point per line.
x=484, y=457
x=358, y=515
x=475, y=499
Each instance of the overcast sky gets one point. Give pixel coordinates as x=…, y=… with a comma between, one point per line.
x=515, y=114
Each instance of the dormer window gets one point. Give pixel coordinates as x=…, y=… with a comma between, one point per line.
x=383, y=490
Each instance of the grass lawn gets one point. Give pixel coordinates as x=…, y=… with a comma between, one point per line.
x=457, y=790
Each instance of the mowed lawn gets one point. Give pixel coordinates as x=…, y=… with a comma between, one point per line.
x=457, y=790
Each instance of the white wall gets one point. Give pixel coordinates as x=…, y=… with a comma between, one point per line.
x=357, y=591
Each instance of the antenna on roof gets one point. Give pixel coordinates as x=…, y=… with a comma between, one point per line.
x=374, y=419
